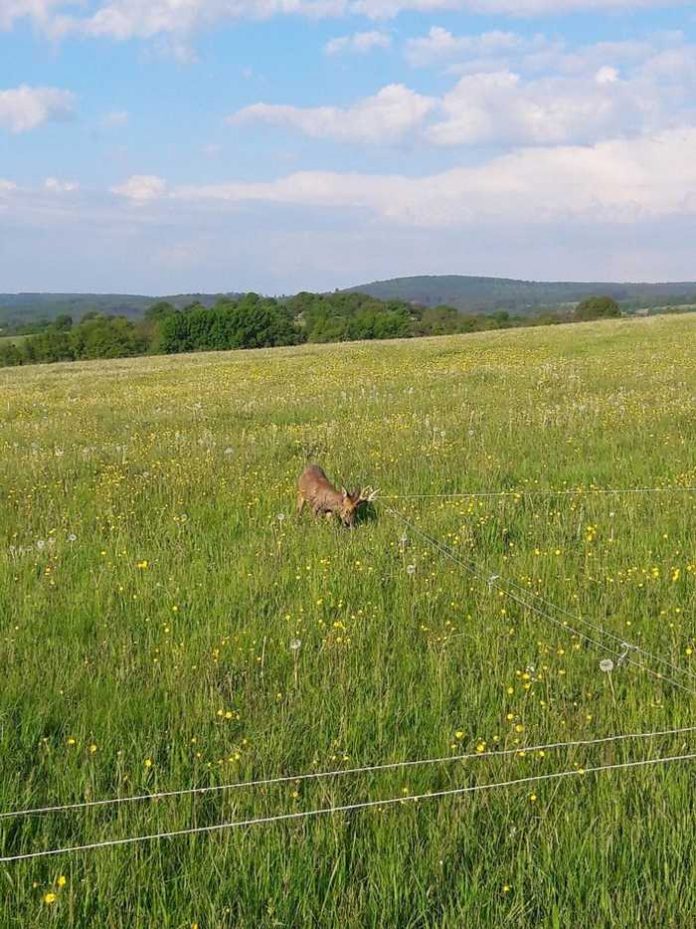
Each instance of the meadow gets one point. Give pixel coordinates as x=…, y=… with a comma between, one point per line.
x=168, y=622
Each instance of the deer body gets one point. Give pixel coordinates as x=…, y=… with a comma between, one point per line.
x=316, y=489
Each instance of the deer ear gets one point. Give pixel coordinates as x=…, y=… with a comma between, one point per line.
x=344, y=492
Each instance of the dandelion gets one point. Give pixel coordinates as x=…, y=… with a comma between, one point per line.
x=295, y=645
x=50, y=898
x=62, y=880
x=148, y=762
x=411, y=570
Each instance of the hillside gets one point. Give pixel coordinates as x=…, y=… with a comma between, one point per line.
x=487, y=294
x=168, y=623
x=27, y=308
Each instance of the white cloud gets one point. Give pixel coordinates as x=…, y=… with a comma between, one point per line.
x=616, y=181
x=358, y=43
x=384, y=9
x=38, y=10
x=60, y=187
x=603, y=91
x=502, y=108
x=127, y=19
x=6, y=187
x=440, y=45
x=385, y=117
x=24, y=108
x=141, y=188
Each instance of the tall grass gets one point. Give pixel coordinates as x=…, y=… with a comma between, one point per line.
x=153, y=578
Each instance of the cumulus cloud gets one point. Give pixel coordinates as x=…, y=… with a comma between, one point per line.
x=24, y=108
x=598, y=92
x=502, y=108
x=141, y=188
x=614, y=181
x=358, y=43
x=385, y=117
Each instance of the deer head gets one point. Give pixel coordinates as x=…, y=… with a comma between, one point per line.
x=351, y=501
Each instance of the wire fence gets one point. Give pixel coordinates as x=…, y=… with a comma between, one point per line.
x=623, y=654
x=345, y=808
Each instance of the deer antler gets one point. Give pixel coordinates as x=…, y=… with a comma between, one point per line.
x=368, y=495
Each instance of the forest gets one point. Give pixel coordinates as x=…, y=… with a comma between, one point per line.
x=253, y=321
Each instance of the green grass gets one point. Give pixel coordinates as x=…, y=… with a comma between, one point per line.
x=149, y=592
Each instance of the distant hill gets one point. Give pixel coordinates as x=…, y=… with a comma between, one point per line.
x=487, y=294
x=468, y=294
x=27, y=308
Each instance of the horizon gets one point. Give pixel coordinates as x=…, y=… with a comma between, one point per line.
x=415, y=133
x=193, y=293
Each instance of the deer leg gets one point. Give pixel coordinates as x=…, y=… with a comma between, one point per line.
x=300, y=504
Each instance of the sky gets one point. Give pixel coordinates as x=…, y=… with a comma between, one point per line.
x=165, y=146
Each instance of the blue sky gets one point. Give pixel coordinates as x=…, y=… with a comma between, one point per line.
x=158, y=146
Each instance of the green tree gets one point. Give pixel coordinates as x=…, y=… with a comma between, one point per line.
x=597, y=308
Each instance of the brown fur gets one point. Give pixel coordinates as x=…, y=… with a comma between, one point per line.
x=316, y=489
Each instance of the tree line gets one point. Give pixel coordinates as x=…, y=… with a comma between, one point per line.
x=252, y=321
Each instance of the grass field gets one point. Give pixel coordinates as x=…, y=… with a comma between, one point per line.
x=154, y=580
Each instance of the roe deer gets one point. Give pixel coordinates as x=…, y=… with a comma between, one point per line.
x=315, y=489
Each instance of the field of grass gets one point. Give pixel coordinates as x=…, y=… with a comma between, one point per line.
x=168, y=622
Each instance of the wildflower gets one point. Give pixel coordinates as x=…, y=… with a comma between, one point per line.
x=148, y=762
x=50, y=898
x=62, y=880
x=92, y=748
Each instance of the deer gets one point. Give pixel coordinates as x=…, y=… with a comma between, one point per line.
x=316, y=489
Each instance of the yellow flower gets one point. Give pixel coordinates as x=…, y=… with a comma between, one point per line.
x=62, y=880
x=50, y=898
x=148, y=762
x=92, y=748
